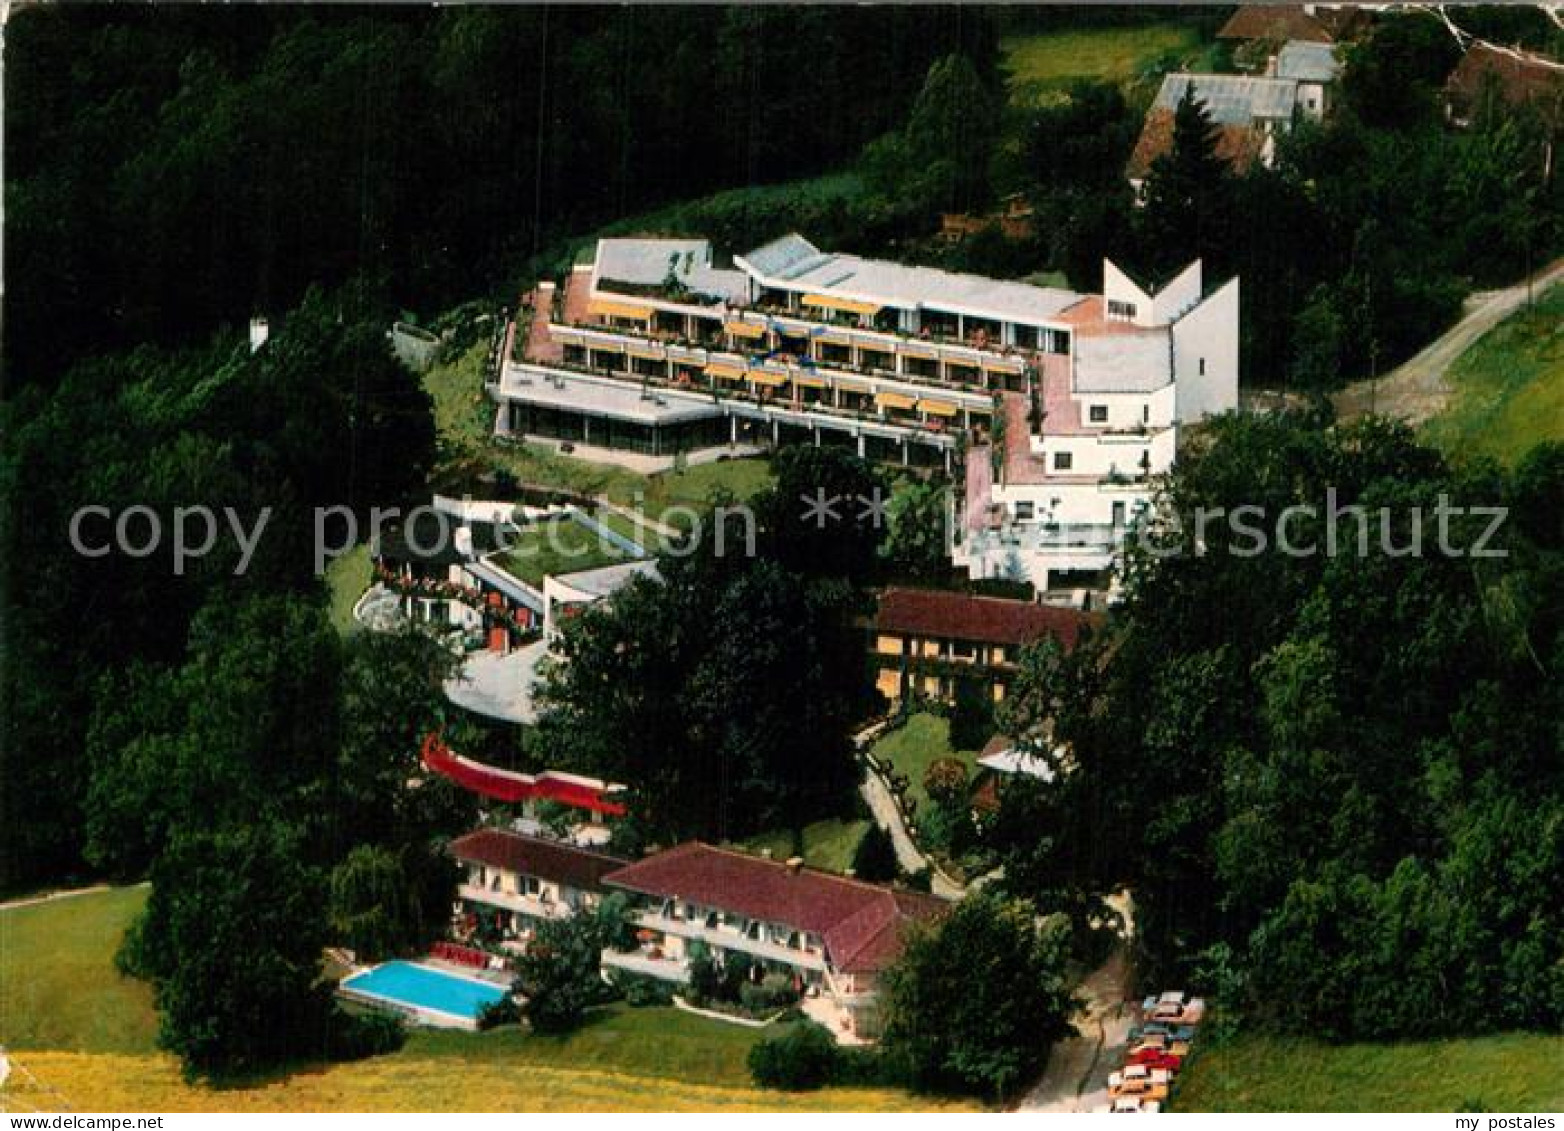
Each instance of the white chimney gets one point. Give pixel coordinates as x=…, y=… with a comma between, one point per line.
x=260, y=330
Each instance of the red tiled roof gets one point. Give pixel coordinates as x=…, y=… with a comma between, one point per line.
x=989, y=620
x=1239, y=146
x=1520, y=79
x=533, y=856
x=860, y=923
x=1275, y=21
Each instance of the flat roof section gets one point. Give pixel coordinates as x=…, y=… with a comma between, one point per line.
x=602, y=396
x=1124, y=363
x=796, y=262
x=647, y=262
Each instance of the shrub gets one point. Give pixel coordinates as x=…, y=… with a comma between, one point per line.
x=875, y=857
x=641, y=992
x=355, y=1035
x=497, y=1013
x=801, y=1058
x=772, y=992
x=705, y=978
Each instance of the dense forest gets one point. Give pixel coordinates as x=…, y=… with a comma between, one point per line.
x=170, y=170
x=1332, y=780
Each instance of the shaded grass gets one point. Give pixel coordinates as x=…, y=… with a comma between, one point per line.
x=828, y=844
x=346, y=579
x=87, y=1036
x=1508, y=388
x=58, y=985
x=1050, y=61
x=915, y=746
x=1509, y=1072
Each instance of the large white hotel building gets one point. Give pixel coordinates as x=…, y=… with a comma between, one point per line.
x=1058, y=408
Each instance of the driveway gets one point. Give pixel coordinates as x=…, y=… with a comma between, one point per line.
x=1076, y=1078
x=1417, y=389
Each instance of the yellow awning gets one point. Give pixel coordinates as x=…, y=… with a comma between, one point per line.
x=768, y=380
x=608, y=308
x=646, y=350
x=911, y=349
x=894, y=400
x=849, y=305
x=805, y=381
x=725, y=372
x=938, y=408
x=1004, y=364
x=744, y=329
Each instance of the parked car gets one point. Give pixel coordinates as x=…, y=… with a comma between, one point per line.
x=1171, y=1032
x=1161, y=1043
x=1132, y=1105
x=1154, y=1058
x=1174, y=1008
x=1138, y=1080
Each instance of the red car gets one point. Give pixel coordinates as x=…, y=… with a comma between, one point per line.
x=1156, y=1058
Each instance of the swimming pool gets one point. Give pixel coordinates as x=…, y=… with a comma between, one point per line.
x=429, y=996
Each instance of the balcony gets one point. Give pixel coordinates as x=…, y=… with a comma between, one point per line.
x=639, y=962
x=730, y=938
x=528, y=905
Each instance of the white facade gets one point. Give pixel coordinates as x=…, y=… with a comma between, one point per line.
x=1081, y=452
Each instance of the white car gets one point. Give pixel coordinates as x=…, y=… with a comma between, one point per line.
x=1132, y=1105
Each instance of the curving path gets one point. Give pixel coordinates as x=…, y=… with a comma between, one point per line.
x=1416, y=389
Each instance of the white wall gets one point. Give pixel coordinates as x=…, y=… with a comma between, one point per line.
x=1182, y=293
x=1209, y=334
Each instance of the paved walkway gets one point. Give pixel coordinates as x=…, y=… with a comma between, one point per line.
x=1417, y=389
x=887, y=814
x=1076, y=1078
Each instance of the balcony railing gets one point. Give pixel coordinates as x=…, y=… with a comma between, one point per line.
x=730, y=938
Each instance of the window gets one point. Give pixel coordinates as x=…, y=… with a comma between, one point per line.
x=1117, y=308
x=529, y=885
x=1099, y=414
x=1063, y=461
x=1025, y=510
x=1202, y=367
x=1145, y=414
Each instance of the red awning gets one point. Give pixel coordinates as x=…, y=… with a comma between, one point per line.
x=507, y=785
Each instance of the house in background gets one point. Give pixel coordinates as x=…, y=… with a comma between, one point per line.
x=1498, y=80
x=927, y=640
x=1310, y=23
x=831, y=934
x=1249, y=111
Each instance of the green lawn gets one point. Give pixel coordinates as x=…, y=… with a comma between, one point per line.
x=1049, y=61
x=58, y=986
x=1512, y=1072
x=913, y=747
x=558, y=547
x=828, y=844
x=346, y=579
x=1508, y=388
x=86, y=1037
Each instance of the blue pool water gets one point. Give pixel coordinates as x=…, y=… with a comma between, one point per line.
x=425, y=988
